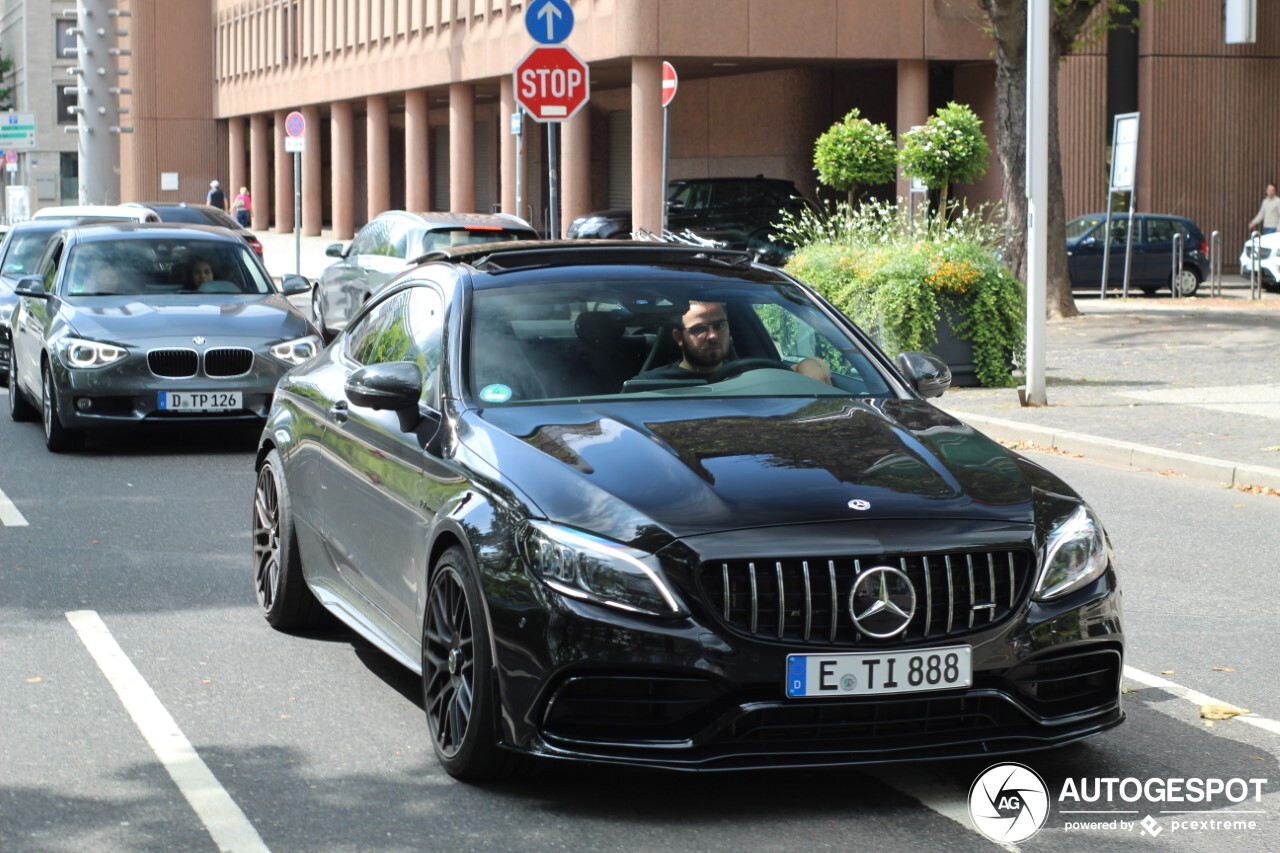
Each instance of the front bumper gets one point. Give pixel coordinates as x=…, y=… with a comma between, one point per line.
x=696, y=696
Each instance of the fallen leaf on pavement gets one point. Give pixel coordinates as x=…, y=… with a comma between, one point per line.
x=1221, y=712
x=35, y=679
x=1168, y=671
x=1224, y=669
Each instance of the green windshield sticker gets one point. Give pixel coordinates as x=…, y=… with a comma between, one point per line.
x=495, y=393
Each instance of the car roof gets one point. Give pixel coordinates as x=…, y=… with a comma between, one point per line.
x=461, y=220
x=96, y=231
x=104, y=211
x=1119, y=216
x=758, y=179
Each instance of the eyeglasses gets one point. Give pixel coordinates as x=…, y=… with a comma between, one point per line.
x=702, y=329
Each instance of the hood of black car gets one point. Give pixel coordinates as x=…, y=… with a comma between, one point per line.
x=128, y=318
x=702, y=466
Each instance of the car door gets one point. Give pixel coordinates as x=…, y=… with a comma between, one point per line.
x=345, y=284
x=1085, y=256
x=373, y=515
x=32, y=319
x=1153, y=255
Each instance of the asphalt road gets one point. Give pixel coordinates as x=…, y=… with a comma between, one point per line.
x=319, y=743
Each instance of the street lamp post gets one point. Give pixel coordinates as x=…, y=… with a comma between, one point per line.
x=1037, y=179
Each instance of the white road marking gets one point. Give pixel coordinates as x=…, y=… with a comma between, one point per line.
x=224, y=820
x=9, y=515
x=932, y=794
x=1261, y=401
x=1198, y=698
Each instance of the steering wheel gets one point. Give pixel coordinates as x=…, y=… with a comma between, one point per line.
x=742, y=365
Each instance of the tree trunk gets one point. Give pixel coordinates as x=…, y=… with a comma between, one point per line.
x=1009, y=27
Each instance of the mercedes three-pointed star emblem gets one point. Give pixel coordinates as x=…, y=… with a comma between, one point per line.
x=882, y=602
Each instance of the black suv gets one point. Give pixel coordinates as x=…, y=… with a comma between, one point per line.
x=738, y=213
x=500, y=476
x=1151, y=264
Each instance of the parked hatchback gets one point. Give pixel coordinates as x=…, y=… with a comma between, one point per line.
x=1151, y=264
x=496, y=477
x=387, y=244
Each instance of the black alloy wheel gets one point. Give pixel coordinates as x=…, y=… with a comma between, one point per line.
x=283, y=595
x=20, y=408
x=57, y=438
x=457, y=683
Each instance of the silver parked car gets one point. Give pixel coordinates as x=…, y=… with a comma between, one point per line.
x=124, y=324
x=388, y=245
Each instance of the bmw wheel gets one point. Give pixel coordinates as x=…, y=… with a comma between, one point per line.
x=283, y=595
x=456, y=675
x=57, y=438
x=20, y=408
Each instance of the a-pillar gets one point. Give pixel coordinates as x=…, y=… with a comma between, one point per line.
x=462, y=147
x=237, y=177
x=647, y=196
x=312, y=184
x=508, y=146
x=913, y=104
x=575, y=168
x=378, y=141
x=284, y=178
x=342, y=158
x=417, y=151
x=260, y=171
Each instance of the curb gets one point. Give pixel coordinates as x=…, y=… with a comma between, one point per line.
x=1126, y=453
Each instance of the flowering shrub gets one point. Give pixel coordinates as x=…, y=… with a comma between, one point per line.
x=855, y=153
x=895, y=277
x=949, y=148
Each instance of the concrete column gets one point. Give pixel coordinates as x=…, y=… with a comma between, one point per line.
x=342, y=159
x=284, y=178
x=312, y=185
x=462, y=147
x=647, y=195
x=575, y=168
x=378, y=142
x=913, y=103
x=260, y=171
x=237, y=176
x=417, y=151
x=508, y=144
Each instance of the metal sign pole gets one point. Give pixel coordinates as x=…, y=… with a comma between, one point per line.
x=297, y=213
x=553, y=179
x=1106, y=249
x=666, y=151
x=517, y=127
x=1128, y=249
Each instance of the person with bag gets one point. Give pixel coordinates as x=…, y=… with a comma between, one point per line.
x=242, y=207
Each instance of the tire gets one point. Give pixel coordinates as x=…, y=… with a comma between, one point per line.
x=20, y=408
x=1188, y=281
x=286, y=602
x=457, y=687
x=57, y=438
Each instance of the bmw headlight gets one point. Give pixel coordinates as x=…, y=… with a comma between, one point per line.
x=83, y=354
x=587, y=567
x=1075, y=553
x=298, y=350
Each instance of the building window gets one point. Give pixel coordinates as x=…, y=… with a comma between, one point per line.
x=66, y=44
x=68, y=97
x=69, y=173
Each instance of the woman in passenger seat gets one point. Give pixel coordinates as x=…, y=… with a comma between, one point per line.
x=200, y=272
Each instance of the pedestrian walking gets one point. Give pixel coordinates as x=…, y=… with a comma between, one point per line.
x=216, y=197
x=1269, y=213
x=242, y=206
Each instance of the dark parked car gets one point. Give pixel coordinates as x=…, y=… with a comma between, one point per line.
x=129, y=324
x=1151, y=266
x=738, y=213
x=201, y=214
x=389, y=243
x=742, y=569
x=20, y=251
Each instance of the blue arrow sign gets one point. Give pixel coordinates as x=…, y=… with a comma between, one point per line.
x=549, y=21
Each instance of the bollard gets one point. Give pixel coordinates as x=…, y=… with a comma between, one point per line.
x=1215, y=264
x=1177, y=266
x=1255, y=266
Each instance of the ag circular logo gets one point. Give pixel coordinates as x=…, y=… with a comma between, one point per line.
x=1009, y=803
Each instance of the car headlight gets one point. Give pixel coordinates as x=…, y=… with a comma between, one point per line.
x=298, y=350
x=587, y=567
x=1075, y=553
x=82, y=354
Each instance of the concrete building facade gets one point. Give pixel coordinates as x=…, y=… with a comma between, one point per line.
x=408, y=102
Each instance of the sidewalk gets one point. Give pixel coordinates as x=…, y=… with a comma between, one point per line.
x=1185, y=385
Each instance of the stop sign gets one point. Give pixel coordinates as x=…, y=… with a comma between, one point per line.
x=552, y=83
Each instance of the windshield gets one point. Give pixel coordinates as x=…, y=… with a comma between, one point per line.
x=442, y=238
x=1081, y=226
x=647, y=339
x=163, y=266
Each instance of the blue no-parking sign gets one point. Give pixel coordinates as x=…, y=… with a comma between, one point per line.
x=549, y=21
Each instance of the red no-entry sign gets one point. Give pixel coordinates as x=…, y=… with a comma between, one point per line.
x=670, y=81
x=552, y=83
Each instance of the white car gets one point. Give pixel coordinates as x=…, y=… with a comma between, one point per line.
x=121, y=212
x=1268, y=258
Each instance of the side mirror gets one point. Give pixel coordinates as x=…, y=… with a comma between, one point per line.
x=394, y=386
x=31, y=285
x=926, y=373
x=334, y=250
x=294, y=285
